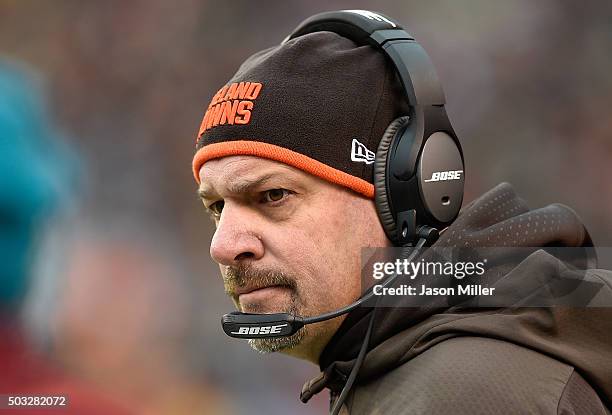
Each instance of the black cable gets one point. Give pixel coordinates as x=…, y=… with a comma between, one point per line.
x=358, y=362
x=364, y=346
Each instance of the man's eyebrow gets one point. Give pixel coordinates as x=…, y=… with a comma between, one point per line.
x=239, y=186
x=204, y=193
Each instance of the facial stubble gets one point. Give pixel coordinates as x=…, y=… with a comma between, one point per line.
x=237, y=277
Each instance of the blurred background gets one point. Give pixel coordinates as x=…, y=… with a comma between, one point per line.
x=113, y=291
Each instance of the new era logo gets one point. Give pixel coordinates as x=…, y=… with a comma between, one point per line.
x=360, y=153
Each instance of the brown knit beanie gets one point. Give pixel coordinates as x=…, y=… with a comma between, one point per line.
x=319, y=103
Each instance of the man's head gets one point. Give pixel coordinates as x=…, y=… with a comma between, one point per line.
x=284, y=160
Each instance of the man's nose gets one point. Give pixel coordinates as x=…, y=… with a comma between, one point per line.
x=235, y=238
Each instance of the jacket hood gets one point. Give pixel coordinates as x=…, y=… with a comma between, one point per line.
x=579, y=337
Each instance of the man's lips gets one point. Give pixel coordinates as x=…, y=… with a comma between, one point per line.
x=247, y=290
x=259, y=294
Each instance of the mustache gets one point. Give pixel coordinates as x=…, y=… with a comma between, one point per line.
x=241, y=276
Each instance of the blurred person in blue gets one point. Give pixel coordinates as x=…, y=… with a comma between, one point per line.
x=39, y=178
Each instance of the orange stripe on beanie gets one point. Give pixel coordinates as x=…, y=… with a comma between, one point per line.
x=283, y=155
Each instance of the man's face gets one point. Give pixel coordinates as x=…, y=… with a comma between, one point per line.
x=287, y=241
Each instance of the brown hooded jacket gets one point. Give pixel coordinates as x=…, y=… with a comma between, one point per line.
x=468, y=360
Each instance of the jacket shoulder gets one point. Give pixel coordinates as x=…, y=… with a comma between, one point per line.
x=468, y=375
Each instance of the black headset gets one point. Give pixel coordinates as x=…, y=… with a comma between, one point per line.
x=419, y=167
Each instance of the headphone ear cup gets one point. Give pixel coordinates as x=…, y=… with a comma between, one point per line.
x=380, y=172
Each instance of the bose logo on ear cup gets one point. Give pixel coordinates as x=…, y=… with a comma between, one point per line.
x=441, y=176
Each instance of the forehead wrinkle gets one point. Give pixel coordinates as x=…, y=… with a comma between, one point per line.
x=241, y=178
x=243, y=185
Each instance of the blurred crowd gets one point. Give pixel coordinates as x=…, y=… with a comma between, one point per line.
x=106, y=286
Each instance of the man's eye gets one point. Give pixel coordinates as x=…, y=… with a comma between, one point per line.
x=216, y=207
x=274, y=195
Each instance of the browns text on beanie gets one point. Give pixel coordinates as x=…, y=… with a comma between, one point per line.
x=318, y=102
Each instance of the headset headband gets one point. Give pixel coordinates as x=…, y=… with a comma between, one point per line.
x=414, y=67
